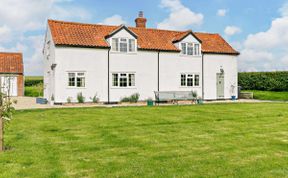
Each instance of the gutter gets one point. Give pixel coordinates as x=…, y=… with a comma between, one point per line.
x=158, y=71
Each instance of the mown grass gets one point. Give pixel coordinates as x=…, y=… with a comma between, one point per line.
x=270, y=95
x=217, y=140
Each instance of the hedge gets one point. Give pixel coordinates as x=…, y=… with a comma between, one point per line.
x=32, y=81
x=265, y=81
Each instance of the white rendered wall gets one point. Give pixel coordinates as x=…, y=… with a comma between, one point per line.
x=144, y=65
x=171, y=67
x=48, y=60
x=89, y=60
x=212, y=65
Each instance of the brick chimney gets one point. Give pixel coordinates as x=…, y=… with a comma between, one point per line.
x=140, y=20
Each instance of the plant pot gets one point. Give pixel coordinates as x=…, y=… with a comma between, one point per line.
x=150, y=103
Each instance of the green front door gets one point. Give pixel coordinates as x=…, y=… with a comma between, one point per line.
x=220, y=85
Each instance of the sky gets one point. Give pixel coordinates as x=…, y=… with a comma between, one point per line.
x=258, y=29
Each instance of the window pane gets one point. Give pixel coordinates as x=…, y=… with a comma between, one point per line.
x=131, y=79
x=190, y=49
x=115, y=80
x=123, y=46
x=131, y=45
x=123, y=82
x=80, y=81
x=196, y=82
x=190, y=80
x=197, y=52
x=183, y=80
x=183, y=48
x=115, y=44
x=71, y=79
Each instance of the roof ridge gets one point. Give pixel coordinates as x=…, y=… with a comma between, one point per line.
x=81, y=23
x=207, y=33
x=152, y=29
x=11, y=53
x=96, y=24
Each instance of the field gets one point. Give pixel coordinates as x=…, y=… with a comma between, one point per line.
x=215, y=140
x=33, y=86
x=270, y=95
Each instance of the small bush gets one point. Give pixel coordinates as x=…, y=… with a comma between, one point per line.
x=132, y=99
x=95, y=99
x=69, y=99
x=80, y=98
x=194, y=94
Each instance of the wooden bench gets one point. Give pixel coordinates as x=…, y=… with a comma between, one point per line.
x=175, y=96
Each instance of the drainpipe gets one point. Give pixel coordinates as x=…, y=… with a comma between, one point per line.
x=203, y=76
x=108, y=74
x=158, y=72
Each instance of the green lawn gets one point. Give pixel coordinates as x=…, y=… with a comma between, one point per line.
x=270, y=95
x=215, y=140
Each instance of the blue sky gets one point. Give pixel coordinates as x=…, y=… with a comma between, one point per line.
x=258, y=28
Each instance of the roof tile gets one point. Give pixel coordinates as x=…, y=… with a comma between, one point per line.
x=93, y=35
x=11, y=63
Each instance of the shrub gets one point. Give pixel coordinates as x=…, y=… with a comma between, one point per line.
x=132, y=99
x=194, y=94
x=69, y=99
x=95, y=99
x=80, y=98
x=266, y=81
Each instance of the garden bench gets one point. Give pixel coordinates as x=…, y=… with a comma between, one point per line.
x=174, y=96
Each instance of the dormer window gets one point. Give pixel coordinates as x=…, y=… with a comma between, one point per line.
x=124, y=45
x=190, y=49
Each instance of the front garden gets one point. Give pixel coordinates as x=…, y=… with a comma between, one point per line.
x=215, y=140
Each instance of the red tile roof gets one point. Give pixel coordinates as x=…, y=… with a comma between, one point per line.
x=11, y=63
x=93, y=35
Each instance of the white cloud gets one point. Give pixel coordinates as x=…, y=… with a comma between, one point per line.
x=267, y=50
x=221, y=12
x=5, y=33
x=20, y=19
x=180, y=17
x=114, y=20
x=232, y=30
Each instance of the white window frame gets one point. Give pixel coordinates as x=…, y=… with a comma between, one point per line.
x=187, y=45
x=128, y=45
x=128, y=76
x=190, y=76
x=76, y=76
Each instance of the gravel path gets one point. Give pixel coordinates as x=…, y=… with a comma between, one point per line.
x=30, y=103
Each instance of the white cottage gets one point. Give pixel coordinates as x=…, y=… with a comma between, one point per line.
x=116, y=61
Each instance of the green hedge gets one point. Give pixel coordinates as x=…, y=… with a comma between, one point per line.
x=33, y=81
x=265, y=81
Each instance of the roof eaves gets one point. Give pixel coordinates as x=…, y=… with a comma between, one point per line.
x=120, y=28
x=190, y=32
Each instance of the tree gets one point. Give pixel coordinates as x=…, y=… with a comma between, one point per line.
x=6, y=108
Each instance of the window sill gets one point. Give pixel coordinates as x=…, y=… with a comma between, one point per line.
x=127, y=53
x=75, y=87
x=190, y=87
x=123, y=88
x=183, y=55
